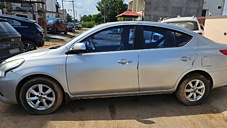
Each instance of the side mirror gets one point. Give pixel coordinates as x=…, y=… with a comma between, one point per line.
x=77, y=48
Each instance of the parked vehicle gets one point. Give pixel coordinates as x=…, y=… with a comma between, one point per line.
x=31, y=33
x=190, y=23
x=56, y=25
x=71, y=26
x=78, y=26
x=10, y=41
x=116, y=59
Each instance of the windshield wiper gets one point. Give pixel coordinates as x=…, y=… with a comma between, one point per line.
x=55, y=47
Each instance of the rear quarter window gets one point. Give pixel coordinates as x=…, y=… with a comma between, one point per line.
x=6, y=28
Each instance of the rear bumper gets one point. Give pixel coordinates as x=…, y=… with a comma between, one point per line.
x=219, y=78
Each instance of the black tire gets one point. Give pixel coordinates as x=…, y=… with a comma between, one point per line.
x=29, y=46
x=193, y=90
x=55, y=31
x=41, y=96
x=66, y=31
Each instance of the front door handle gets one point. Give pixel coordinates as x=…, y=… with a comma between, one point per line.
x=185, y=58
x=124, y=61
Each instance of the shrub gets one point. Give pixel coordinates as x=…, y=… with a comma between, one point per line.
x=88, y=24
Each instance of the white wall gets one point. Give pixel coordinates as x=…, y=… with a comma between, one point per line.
x=216, y=29
x=212, y=7
x=51, y=5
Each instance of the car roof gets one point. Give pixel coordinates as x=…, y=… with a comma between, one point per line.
x=53, y=18
x=147, y=23
x=17, y=18
x=3, y=20
x=180, y=19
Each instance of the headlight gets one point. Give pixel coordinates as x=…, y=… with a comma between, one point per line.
x=8, y=66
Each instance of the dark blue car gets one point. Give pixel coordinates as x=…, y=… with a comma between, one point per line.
x=31, y=33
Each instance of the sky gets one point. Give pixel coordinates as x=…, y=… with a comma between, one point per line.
x=82, y=7
x=87, y=7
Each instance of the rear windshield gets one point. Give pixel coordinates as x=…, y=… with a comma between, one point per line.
x=51, y=20
x=191, y=25
x=5, y=27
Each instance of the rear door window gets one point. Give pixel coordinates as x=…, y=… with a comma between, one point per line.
x=155, y=37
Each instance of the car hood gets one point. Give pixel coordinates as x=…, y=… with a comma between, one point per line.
x=31, y=54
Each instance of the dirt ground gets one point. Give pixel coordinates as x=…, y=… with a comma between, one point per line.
x=155, y=111
x=59, y=39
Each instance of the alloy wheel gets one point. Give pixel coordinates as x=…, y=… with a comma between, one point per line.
x=40, y=97
x=194, y=90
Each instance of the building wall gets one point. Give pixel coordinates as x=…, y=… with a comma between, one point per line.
x=156, y=9
x=213, y=7
x=63, y=13
x=51, y=9
x=216, y=29
x=34, y=12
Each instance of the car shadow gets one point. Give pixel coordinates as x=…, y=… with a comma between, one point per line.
x=137, y=108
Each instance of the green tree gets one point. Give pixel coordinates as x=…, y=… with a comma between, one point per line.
x=2, y=5
x=85, y=18
x=69, y=17
x=97, y=18
x=109, y=9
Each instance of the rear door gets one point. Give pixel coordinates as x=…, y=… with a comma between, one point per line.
x=166, y=56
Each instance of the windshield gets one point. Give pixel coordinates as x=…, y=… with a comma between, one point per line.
x=191, y=25
x=5, y=27
x=51, y=21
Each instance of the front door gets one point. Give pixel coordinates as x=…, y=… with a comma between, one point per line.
x=108, y=66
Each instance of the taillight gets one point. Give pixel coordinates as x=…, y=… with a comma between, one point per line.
x=200, y=33
x=223, y=52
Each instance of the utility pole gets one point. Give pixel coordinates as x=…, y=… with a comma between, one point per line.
x=44, y=17
x=73, y=7
x=63, y=8
x=73, y=11
x=8, y=6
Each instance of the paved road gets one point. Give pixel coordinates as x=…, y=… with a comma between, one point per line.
x=156, y=111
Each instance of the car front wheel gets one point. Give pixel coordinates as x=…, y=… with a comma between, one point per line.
x=41, y=96
x=193, y=90
x=29, y=46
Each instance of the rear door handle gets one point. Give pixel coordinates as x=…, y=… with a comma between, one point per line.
x=185, y=58
x=124, y=61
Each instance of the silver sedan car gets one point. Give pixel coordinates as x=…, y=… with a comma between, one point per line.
x=116, y=59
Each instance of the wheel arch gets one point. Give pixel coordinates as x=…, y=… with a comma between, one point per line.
x=204, y=73
x=24, y=80
x=30, y=40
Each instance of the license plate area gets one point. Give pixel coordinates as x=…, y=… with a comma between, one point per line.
x=14, y=51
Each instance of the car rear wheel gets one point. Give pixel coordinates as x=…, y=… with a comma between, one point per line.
x=193, y=90
x=41, y=96
x=29, y=46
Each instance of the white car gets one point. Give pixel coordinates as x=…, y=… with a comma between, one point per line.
x=116, y=59
x=190, y=23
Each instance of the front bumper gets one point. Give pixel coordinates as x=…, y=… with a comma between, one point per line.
x=40, y=40
x=8, y=87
